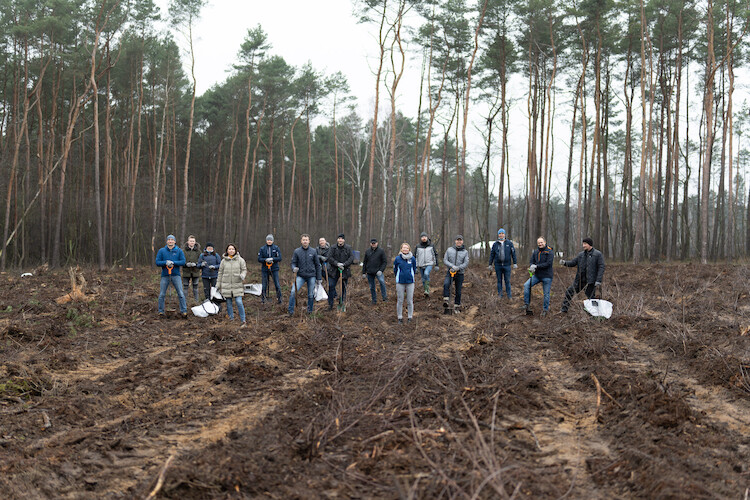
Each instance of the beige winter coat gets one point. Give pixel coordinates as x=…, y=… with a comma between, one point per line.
x=232, y=272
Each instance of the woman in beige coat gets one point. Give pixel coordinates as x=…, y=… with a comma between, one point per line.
x=232, y=272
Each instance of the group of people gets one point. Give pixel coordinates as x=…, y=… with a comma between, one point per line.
x=182, y=267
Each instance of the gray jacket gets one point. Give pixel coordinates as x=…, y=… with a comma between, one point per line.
x=590, y=267
x=455, y=257
x=426, y=255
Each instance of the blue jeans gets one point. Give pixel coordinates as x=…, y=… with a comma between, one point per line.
x=310, y=293
x=371, y=279
x=425, y=273
x=264, y=280
x=458, y=279
x=503, y=272
x=240, y=308
x=176, y=281
x=546, y=285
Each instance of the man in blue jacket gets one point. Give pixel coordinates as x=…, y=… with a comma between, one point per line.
x=503, y=254
x=540, y=268
x=306, y=267
x=170, y=259
x=269, y=256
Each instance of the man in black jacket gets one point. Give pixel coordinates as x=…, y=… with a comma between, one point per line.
x=373, y=266
x=340, y=258
x=590, y=272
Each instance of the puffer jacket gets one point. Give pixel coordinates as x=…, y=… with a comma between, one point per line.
x=208, y=260
x=232, y=272
x=590, y=266
x=191, y=256
x=508, y=253
x=308, y=262
x=457, y=257
x=426, y=254
x=266, y=252
x=543, y=259
x=404, y=267
x=342, y=254
x=176, y=255
x=374, y=261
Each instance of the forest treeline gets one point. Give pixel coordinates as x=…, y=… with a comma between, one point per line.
x=105, y=147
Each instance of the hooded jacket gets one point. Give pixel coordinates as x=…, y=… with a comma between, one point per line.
x=232, y=272
x=374, y=261
x=192, y=255
x=543, y=259
x=340, y=254
x=590, y=266
x=206, y=260
x=308, y=262
x=426, y=254
x=404, y=267
x=266, y=252
x=508, y=253
x=457, y=257
x=176, y=255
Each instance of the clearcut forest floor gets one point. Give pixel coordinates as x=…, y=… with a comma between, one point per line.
x=99, y=397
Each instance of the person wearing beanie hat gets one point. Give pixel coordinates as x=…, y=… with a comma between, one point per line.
x=590, y=263
x=373, y=266
x=503, y=254
x=269, y=257
x=340, y=259
x=209, y=263
x=170, y=259
x=427, y=258
x=456, y=258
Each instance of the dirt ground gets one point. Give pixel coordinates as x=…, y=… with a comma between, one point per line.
x=101, y=399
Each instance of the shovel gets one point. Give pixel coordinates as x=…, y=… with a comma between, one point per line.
x=264, y=294
x=295, y=291
x=446, y=307
x=342, y=304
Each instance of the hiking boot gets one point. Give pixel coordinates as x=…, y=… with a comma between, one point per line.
x=184, y=315
x=162, y=315
x=544, y=313
x=564, y=311
x=528, y=310
x=278, y=300
x=400, y=321
x=456, y=308
x=243, y=325
x=408, y=320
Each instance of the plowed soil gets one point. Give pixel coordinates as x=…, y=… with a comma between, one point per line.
x=99, y=398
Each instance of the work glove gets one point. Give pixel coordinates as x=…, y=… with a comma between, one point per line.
x=454, y=269
x=203, y=264
x=212, y=267
x=562, y=262
x=170, y=263
x=598, y=284
x=295, y=270
x=490, y=268
x=269, y=260
x=340, y=265
x=515, y=266
x=190, y=264
x=532, y=268
x=379, y=273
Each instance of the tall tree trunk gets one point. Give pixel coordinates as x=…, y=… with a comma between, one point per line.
x=708, y=109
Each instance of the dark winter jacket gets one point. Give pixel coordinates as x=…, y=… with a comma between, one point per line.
x=405, y=267
x=374, y=261
x=191, y=257
x=176, y=255
x=308, y=263
x=206, y=261
x=508, y=254
x=590, y=266
x=543, y=259
x=426, y=254
x=342, y=254
x=266, y=252
x=457, y=257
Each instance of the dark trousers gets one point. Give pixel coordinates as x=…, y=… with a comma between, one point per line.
x=333, y=280
x=576, y=288
x=264, y=279
x=372, y=278
x=503, y=273
x=186, y=280
x=458, y=279
x=207, y=284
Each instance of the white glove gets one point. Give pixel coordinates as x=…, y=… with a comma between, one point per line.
x=532, y=268
x=515, y=266
x=212, y=267
x=598, y=284
x=170, y=263
x=295, y=270
x=203, y=264
x=379, y=273
x=269, y=260
x=562, y=262
x=454, y=269
x=340, y=265
x=191, y=264
x=490, y=267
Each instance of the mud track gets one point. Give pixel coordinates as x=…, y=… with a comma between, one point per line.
x=98, y=396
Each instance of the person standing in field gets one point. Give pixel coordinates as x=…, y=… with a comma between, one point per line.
x=269, y=257
x=427, y=259
x=373, y=266
x=307, y=270
x=589, y=275
x=191, y=274
x=503, y=255
x=405, y=269
x=456, y=259
x=230, y=282
x=540, y=267
x=340, y=259
x=170, y=259
x=209, y=263
x=323, y=249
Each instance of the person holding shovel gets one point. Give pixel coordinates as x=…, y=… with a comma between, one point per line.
x=589, y=275
x=540, y=271
x=340, y=258
x=373, y=266
x=192, y=272
x=269, y=257
x=503, y=255
x=209, y=263
x=230, y=283
x=456, y=259
x=170, y=259
x=307, y=270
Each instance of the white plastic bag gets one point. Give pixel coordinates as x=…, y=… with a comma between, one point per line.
x=216, y=295
x=598, y=308
x=205, y=309
x=320, y=292
x=254, y=288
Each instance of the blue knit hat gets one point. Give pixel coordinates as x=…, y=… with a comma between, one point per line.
x=501, y=230
x=171, y=237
